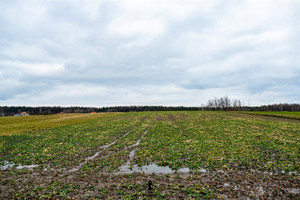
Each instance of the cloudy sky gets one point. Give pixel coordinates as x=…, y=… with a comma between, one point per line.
x=148, y=52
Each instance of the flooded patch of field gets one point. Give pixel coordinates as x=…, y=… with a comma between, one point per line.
x=148, y=169
x=7, y=165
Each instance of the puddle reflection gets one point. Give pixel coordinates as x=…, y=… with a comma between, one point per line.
x=147, y=169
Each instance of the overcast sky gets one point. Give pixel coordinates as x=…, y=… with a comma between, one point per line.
x=148, y=52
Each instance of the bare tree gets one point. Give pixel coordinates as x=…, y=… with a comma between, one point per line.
x=227, y=102
x=224, y=103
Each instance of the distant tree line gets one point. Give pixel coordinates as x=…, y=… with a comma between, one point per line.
x=294, y=107
x=44, y=110
x=225, y=103
x=222, y=103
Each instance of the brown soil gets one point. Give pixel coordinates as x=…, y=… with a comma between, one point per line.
x=87, y=185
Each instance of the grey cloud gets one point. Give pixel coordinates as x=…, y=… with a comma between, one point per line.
x=170, y=54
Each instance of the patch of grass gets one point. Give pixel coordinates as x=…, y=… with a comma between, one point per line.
x=68, y=145
x=221, y=140
x=34, y=123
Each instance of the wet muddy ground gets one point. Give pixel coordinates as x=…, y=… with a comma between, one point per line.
x=223, y=184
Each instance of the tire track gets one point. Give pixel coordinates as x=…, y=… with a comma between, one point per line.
x=135, y=146
x=74, y=169
x=98, y=152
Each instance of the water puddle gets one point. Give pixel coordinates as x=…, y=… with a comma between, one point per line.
x=184, y=170
x=202, y=170
x=6, y=165
x=147, y=169
x=131, y=155
x=9, y=165
x=295, y=191
x=152, y=169
x=26, y=166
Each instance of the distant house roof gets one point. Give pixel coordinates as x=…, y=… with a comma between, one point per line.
x=24, y=114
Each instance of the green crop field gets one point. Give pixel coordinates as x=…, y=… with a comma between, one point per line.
x=150, y=155
x=15, y=125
